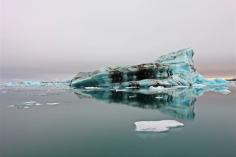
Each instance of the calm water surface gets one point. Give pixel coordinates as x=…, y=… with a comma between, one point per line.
x=78, y=125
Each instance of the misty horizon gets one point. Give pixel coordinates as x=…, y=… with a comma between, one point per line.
x=54, y=37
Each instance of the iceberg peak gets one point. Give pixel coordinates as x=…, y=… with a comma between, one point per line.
x=178, y=57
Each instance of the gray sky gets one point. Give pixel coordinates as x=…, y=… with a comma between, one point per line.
x=58, y=36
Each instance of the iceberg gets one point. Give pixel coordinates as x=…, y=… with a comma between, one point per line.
x=175, y=69
x=157, y=126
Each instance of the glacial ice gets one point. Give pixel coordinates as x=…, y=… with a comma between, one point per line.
x=171, y=84
x=175, y=69
x=36, y=84
x=157, y=126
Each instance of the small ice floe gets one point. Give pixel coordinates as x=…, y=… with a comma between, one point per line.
x=52, y=103
x=157, y=126
x=30, y=102
x=38, y=104
x=25, y=105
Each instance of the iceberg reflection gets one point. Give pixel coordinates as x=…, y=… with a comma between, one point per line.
x=176, y=102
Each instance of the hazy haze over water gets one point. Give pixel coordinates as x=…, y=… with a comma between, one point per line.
x=67, y=36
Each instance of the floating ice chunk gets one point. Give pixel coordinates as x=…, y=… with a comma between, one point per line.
x=38, y=104
x=157, y=126
x=30, y=102
x=26, y=105
x=175, y=69
x=52, y=103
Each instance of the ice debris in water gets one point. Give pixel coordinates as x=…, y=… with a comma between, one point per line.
x=175, y=69
x=29, y=104
x=36, y=84
x=52, y=103
x=157, y=126
x=26, y=105
x=23, y=83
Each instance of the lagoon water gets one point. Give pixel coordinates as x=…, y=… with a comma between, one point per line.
x=57, y=122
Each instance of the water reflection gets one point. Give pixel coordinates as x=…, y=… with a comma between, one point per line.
x=177, y=102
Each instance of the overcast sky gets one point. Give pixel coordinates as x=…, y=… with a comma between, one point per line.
x=58, y=36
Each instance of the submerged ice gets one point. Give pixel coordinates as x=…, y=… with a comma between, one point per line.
x=175, y=69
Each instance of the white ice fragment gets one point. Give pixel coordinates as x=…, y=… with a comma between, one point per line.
x=52, y=103
x=30, y=102
x=38, y=104
x=159, y=97
x=26, y=107
x=157, y=126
